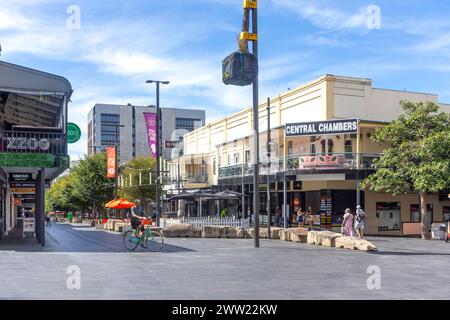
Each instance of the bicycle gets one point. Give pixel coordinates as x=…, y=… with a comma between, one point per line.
x=151, y=240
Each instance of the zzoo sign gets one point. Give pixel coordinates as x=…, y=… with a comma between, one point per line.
x=73, y=132
x=19, y=143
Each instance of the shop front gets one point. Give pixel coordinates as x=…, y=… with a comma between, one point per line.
x=33, y=142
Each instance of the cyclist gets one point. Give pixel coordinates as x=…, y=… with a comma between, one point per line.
x=137, y=218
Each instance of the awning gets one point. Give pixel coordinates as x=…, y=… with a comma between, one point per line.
x=41, y=97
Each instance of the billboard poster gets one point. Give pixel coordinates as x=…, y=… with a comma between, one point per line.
x=150, y=121
x=111, y=162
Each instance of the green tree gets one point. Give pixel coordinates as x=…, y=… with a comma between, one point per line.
x=417, y=159
x=137, y=183
x=91, y=186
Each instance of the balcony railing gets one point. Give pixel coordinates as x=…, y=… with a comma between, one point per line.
x=33, y=142
x=198, y=179
x=304, y=162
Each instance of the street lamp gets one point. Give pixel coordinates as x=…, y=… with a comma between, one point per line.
x=158, y=148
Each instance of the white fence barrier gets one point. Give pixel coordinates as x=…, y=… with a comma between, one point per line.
x=207, y=221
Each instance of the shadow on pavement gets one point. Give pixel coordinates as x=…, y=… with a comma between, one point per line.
x=405, y=253
x=62, y=238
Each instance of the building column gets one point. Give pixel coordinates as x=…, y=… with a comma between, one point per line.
x=40, y=207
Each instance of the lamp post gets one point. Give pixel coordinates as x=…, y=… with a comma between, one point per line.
x=158, y=148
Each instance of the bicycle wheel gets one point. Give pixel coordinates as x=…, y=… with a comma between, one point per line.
x=130, y=240
x=154, y=241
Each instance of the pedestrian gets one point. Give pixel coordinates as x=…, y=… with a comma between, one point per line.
x=278, y=217
x=347, y=223
x=309, y=218
x=224, y=213
x=360, y=221
x=300, y=217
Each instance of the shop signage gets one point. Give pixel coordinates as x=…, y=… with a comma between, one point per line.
x=111, y=162
x=21, y=143
x=26, y=185
x=20, y=177
x=326, y=211
x=321, y=161
x=73, y=132
x=28, y=225
x=23, y=190
x=169, y=144
x=322, y=127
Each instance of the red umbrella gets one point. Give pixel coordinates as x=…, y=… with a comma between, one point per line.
x=120, y=204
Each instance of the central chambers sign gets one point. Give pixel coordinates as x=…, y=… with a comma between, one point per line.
x=322, y=127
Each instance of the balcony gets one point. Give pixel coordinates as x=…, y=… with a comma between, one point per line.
x=33, y=142
x=198, y=179
x=304, y=162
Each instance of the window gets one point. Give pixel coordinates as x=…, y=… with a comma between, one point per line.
x=388, y=214
x=416, y=216
x=446, y=212
x=247, y=156
x=229, y=160
x=187, y=123
x=312, y=149
x=348, y=149
x=109, y=118
x=290, y=147
x=236, y=158
x=214, y=166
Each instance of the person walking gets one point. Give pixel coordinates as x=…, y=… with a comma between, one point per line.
x=309, y=217
x=347, y=223
x=360, y=221
x=300, y=217
x=278, y=217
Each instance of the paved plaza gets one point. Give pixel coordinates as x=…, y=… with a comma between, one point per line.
x=219, y=269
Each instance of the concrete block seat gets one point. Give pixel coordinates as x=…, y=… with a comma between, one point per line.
x=293, y=234
x=181, y=231
x=355, y=243
x=223, y=232
x=323, y=238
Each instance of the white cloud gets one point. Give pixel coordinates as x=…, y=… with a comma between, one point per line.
x=324, y=16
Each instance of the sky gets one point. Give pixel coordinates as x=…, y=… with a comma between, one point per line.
x=108, y=49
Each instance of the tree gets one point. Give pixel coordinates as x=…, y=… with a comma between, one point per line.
x=91, y=186
x=417, y=159
x=138, y=170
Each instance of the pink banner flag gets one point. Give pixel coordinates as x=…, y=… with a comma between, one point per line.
x=150, y=121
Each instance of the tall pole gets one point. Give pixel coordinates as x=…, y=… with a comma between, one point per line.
x=269, y=218
x=255, y=133
x=117, y=164
x=158, y=154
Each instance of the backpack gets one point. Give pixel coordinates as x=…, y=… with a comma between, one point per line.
x=240, y=69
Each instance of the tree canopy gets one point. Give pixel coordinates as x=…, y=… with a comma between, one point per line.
x=418, y=155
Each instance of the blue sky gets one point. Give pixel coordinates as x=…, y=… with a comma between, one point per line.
x=120, y=44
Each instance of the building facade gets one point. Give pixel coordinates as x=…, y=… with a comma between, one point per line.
x=33, y=152
x=320, y=149
x=131, y=138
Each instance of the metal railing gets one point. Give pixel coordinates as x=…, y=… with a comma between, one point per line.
x=302, y=162
x=33, y=142
x=215, y=221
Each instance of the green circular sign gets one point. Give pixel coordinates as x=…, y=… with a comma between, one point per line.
x=73, y=132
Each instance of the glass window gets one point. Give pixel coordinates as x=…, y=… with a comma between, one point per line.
x=247, y=156
x=348, y=149
x=388, y=214
x=110, y=118
x=187, y=123
x=416, y=216
x=214, y=166
x=446, y=212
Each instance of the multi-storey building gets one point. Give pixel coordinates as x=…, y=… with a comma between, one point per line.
x=320, y=149
x=125, y=126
